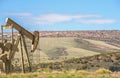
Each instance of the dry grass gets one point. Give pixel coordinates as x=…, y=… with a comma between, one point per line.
x=68, y=74
x=101, y=43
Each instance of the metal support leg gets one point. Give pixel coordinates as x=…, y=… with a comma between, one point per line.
x=8, y=66
x=22, y=58
x=28, y=60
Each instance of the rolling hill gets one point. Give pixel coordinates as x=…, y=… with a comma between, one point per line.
x=77, y=49
x=62, y=45
x=62, y=48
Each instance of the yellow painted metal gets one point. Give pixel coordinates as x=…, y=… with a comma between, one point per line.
x=12, y=48
x=7, y=27
x=34, y=37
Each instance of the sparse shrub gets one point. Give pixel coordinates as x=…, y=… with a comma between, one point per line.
x=48, y=69
x=50, y=76
x=69, y=77
x=97, y=65
x=78, y=68
x=114, y=68
x=84, y=66
x=72, y=70
x=103, y=71
x=83, y=72
x=29, y=75
x=64, y=70
x=39, y=70
x=92, y=65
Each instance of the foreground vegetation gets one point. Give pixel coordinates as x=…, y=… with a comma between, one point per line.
x=100, y=73
x=109, y=61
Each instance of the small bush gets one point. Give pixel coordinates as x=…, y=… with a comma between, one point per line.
x=103, y=71
x=64, y=70
x=50, y=76
x=83, y=72
x=48, y=69
x=114, y=68
x=39, y=70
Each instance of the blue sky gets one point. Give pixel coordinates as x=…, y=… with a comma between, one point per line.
x=62, y=15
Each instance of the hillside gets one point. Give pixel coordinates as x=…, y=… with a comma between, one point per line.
x=63, y=45
x=109, y=36
x=109, y=61
x=67, y=50
x=99, y=41
x=58, y=49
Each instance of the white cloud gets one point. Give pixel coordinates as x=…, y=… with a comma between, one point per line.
x=97, y=21
x=46, y=19
x=18, y=14
x=56, y=18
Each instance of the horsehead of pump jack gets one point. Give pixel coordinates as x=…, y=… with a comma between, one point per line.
x=34, y=37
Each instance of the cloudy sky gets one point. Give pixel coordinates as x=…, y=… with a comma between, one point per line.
x=62, y=15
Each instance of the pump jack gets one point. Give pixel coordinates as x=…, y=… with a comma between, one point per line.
x=9, y=49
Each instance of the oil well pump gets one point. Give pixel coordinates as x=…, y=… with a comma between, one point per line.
x=10, y=48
